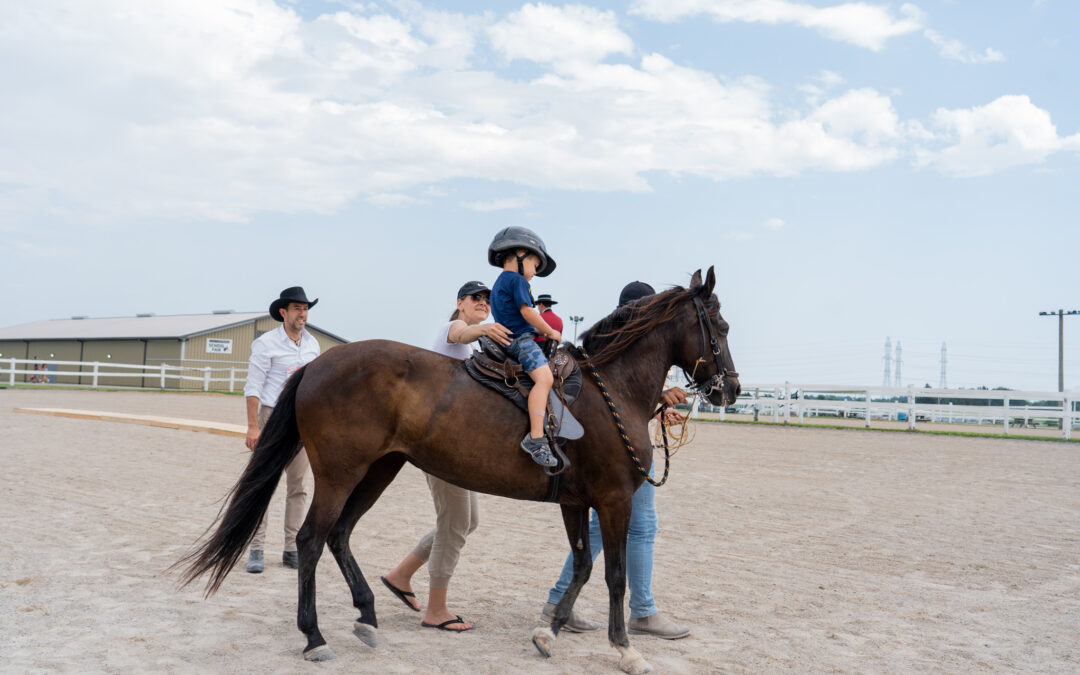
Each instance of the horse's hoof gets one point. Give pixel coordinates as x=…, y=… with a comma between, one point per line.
x=320, y=653
x=633, y=662
x=543, y=639
x=367, y=633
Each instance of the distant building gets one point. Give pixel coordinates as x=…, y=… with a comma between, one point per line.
x=219, y=340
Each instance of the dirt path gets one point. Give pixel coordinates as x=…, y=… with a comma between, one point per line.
x=784, y=549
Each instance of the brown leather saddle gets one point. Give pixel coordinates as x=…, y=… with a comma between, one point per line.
x=492, y=368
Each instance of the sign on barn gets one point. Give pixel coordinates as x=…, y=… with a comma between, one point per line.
x=218, y=346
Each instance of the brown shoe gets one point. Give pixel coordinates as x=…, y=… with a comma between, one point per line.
x=659, y=626
x=575, y=624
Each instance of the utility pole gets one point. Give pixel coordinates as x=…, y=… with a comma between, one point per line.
x=899, y=361
x=1061, y=314
x=576, y=320
x=888, y=363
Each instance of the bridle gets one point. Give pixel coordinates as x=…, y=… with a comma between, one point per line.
x=704, y=388
x=709, y=344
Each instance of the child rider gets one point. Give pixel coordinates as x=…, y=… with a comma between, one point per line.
x=522, y=255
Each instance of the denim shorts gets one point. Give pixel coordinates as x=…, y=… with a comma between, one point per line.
x=527, y=352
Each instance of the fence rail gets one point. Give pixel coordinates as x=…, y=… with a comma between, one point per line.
x=780, y=401
x=73, y=373
x=912, y=405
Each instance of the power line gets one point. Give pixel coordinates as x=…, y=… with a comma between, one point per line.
x=944, y=360
x=899, y=362
x=1061, y=314
x=888, y=362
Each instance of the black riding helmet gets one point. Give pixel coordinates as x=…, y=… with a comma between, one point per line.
x=510, y=239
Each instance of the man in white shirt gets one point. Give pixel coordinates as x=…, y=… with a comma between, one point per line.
x=274, y=357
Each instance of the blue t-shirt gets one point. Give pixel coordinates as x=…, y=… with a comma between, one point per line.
x=509, y=292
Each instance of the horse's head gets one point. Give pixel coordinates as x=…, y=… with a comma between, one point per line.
x=704, y=354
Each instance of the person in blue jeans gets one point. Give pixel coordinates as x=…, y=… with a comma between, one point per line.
x=645, y=619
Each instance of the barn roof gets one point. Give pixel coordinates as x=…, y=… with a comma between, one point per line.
x=177, y=326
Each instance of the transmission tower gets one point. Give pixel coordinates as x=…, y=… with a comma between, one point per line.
x=899, y=362
x=944, y=360
x=888, y=363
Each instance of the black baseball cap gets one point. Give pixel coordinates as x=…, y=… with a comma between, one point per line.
x=635, y=290
x=472, y=287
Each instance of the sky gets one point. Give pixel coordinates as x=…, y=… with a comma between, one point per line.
x=855, y=171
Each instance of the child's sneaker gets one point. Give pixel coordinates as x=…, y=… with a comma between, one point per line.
x=538, y=449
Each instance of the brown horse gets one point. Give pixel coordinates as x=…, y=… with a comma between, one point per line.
x=364, y=409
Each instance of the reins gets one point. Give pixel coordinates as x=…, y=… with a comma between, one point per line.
x=622, y=430
x=709, y=343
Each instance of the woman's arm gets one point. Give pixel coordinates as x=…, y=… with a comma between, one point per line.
x=464, y=333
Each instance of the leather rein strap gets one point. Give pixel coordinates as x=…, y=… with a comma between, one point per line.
x=709, y=344
x=584, y=355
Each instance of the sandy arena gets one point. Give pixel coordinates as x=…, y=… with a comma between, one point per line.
x=785, y=549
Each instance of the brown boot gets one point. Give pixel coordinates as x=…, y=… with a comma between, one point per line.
x=575, y=624
x=659, y=626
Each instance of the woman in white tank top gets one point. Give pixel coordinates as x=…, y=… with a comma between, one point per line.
x=456, y=511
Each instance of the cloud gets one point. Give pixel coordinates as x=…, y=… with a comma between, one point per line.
x=771, y=224
x=497, y=204
x=223, y=109
x=1009, y=131
x=559, y=35
x=857, y=23
x=955, y=50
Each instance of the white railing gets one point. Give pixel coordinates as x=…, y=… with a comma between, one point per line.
x=910, y=404
x=163, y=375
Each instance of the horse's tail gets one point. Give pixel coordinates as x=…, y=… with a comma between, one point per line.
x=279, y=442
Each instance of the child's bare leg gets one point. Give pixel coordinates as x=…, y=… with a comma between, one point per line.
x=538, y=397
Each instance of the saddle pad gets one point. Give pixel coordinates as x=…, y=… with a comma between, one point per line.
x=571, y=388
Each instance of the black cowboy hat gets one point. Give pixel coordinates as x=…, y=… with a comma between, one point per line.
x=545, y=299
x=291, y=294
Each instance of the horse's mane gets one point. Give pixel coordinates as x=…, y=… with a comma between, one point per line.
x=610, y=336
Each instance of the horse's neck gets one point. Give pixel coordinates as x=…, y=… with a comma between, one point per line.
x=638, y=374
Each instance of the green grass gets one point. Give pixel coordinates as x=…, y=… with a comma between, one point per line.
x=932, y=432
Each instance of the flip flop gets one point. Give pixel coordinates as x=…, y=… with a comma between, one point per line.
x=451, y=622
x=401, y=595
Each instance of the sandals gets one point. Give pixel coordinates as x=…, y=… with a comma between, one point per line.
x=445, y=625
x=401, y=595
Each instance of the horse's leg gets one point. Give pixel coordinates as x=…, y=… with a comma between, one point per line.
x=380, y=475
x=614, y=526
x=576, y=520
x=325, y=508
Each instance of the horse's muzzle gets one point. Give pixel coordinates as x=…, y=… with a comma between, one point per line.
x=730, y=390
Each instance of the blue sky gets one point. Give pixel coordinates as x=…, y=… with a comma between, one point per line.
x=854, y=170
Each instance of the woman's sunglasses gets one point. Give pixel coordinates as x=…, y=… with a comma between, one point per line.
x=479, y=297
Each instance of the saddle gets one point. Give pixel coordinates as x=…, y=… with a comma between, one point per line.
x=492, y=368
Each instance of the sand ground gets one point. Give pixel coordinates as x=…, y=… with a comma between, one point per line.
x=785, y=549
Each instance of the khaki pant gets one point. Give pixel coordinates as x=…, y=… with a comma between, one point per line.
x=456, y=516
x=297, y=480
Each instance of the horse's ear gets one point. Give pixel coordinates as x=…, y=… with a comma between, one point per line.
x=695, y=280
x=710, y=282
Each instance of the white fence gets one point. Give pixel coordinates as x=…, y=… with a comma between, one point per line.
x=781, y=402
x=93, y=373
x=1009, y=409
